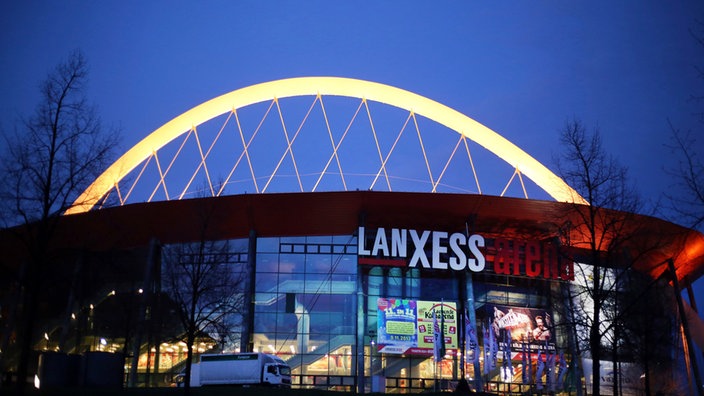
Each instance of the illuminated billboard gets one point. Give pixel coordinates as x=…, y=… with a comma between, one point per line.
x=405, y=327
x=529, y=327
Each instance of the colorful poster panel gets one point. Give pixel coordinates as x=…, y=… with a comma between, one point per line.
x=406, y=326
x=531, y=326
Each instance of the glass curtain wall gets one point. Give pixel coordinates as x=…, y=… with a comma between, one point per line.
x=305, y=307
x=306, y=311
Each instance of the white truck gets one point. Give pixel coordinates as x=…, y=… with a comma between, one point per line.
x=239, y=369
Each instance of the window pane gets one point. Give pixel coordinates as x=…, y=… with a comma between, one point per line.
x=344, y=264
x=291, y=263
x=318, y=263
x=267, y=262
x=317, y=283
x=265, y=302
x=319, y=239
x=265, y=282
x=268, y=245
x=265, y=323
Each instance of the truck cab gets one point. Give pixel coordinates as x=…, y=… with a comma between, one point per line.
x=277, y=374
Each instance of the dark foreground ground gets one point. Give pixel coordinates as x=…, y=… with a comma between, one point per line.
x=202, y=391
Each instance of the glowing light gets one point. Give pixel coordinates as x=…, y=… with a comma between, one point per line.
x=506, y=374
x=293, y=349
x=46, y=336
x=103, y=342
x=335, y=86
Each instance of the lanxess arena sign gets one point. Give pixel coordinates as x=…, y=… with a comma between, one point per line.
x=440, y=250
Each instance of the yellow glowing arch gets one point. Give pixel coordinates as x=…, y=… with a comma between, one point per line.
x=335, y=86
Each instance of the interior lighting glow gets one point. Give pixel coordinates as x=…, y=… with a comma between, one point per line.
x=293, y=349
x=506, y=374
x=103, y=342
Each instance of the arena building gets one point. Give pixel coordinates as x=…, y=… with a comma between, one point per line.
x=345, y=274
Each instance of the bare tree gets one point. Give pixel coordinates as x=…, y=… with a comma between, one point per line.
x=687, y=203
x=648, y=327
x=206, y=280
x=48, y=161
x=688, y=175
x=602, y=233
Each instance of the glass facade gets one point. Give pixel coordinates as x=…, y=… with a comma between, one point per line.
x=315, y=307
x=305, y=307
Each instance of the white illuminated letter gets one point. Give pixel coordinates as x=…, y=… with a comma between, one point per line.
x=439, y=249
x=419, y=252
x=380, y=243
x=474, y=243
x=399, y=244
x=459, y=260
x=361, y=251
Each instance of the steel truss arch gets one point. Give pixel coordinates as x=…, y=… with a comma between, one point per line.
x=415, y=104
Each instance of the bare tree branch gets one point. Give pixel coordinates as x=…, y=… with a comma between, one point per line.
x=603, y=227
x=47, y=161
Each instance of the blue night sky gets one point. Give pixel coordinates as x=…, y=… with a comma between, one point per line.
x=521, y=68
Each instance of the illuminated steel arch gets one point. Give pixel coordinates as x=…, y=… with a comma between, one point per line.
x=272, y=91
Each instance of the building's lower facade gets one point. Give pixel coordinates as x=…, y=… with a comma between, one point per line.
x=345, y=322
x=348, y=288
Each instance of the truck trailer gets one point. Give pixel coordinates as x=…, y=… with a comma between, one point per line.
x=240, y=369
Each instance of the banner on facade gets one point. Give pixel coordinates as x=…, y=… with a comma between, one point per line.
x=406, y=326
x=522, y=328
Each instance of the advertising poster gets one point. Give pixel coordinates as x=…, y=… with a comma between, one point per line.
x=398, y=319
x=524, y=325
x=406, y=326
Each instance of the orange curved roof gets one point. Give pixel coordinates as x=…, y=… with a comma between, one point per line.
x=340, y=213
